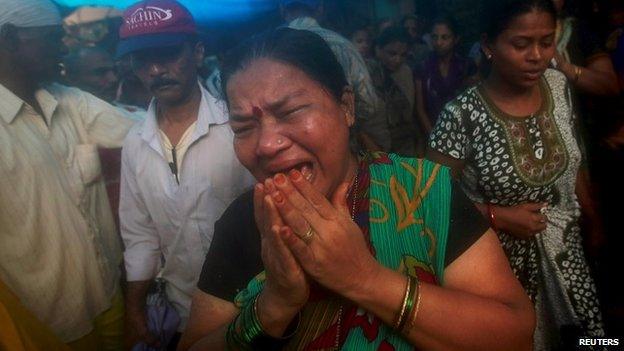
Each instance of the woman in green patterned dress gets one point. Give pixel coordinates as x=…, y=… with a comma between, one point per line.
x=335, y=251
x=512, y=139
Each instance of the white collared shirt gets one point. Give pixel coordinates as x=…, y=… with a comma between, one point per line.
x=59, y=248
x=163, y=220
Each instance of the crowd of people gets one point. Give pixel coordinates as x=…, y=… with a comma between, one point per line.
x=376, y=187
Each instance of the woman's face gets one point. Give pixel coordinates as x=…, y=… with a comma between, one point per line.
x=362, y=42
x=522, y=52
x=283, y=120
x=443, y=39
x=392, y=55
x=411, y=26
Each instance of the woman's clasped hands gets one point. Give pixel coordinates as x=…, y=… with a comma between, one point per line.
x=306, y=237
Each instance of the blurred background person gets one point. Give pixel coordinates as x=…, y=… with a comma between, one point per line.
x=443, y=75
x=394, y=84
x=382, y=24
x=362, y=40
x=581, y=54
x=131, y=93
x=92, y=69
x=418, y=49
x=372, y=128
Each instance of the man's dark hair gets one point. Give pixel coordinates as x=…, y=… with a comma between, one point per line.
x=392, y=35
x=498, y=14
x=299, y=48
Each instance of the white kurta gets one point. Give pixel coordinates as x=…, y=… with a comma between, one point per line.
x=59, y=250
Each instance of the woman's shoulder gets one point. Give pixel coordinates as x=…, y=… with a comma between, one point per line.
x=241, y=207
x=464, y=103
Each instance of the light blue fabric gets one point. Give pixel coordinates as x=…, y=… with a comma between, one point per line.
x=162, y=318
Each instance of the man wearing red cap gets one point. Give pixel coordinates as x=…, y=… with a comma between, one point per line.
x=179, y=170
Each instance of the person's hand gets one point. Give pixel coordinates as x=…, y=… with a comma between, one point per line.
x=564, y=66
x=137, y=331
x=286, y=285
x=336, y=254
x=522, y=221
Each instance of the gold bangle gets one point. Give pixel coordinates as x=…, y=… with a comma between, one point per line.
x=409, y=307
x=401, y=315
x=414, y=312
x=577, y=73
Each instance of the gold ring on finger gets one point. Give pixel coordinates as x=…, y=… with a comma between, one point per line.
x=307, y=236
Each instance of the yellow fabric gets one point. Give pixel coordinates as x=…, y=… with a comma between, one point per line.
x=107, y=334
x=20, y=330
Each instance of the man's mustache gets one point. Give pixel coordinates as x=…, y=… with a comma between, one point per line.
x=162, y=82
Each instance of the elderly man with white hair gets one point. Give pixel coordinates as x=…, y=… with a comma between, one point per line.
x=59, y=249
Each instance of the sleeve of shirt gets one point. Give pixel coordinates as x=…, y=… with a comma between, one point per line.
x=106, y=125
x=142, y=243
x=234, y=256
x=450, y=136
x=466, y=226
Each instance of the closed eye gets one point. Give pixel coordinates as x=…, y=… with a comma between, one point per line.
x=293, y=111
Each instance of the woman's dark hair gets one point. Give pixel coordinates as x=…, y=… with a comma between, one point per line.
x=299, y=48
x=446, y=20
x=391, y=35
x=498, y=14
x=409, y=17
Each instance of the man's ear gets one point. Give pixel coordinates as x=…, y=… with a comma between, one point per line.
x=347, y=102
x=8, y=37
x=198, y=52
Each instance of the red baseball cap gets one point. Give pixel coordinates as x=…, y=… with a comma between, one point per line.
x=153, y=24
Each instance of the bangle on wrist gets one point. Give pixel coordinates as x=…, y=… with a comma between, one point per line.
x=411, y=303
x=401, y=317
x=246, y=332
x=577, y=73
x=492, y=217
x=411, y=319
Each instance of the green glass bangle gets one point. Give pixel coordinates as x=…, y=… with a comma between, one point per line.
x=409, y=306
x=246, y=333
x=233, y=339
